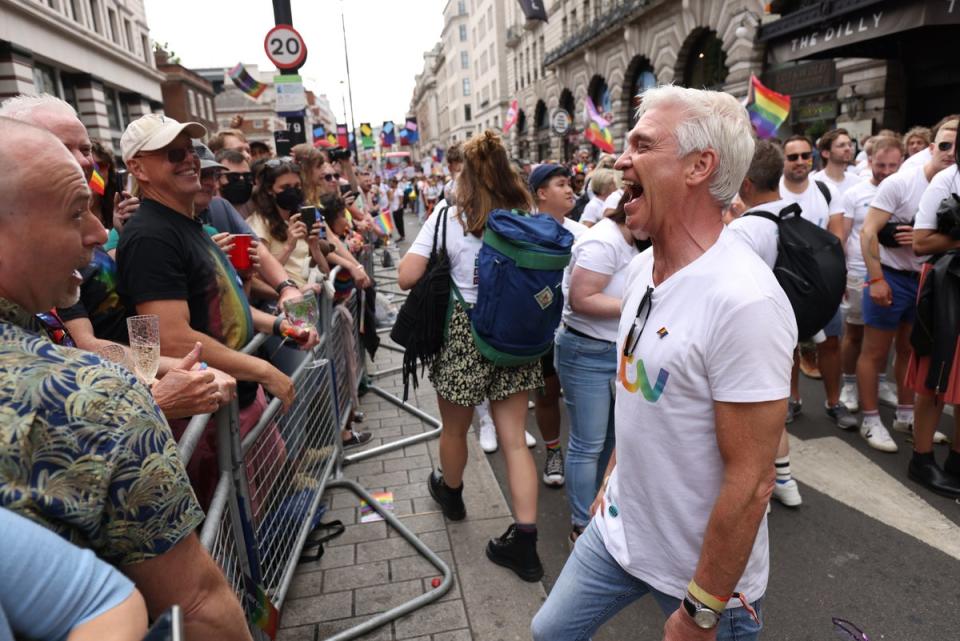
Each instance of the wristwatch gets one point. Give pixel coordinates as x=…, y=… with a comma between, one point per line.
x=284, y=284
x=704, y=617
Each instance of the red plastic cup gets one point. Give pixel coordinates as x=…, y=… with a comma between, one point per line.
x=240, y=254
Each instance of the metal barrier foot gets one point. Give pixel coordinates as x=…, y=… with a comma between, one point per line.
x=414, y=604
x=403, y=442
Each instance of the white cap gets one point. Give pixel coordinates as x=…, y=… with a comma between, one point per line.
x=153, y=131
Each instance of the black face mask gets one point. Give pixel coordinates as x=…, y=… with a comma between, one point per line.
x=290, y=198
x=237, y=192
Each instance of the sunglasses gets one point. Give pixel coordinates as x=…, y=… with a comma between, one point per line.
x=636, y=330
x=845, y=630
x=175, y=155
x=238, y=176
x=276, y=163
x=331, y=177
x=944, y=146
x=807, y=155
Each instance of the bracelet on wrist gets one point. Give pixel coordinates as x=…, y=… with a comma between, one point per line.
x=715, y=603
x=284, y=284
x=873, y=281
x=276, y=325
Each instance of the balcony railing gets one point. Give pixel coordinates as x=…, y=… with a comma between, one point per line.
x=594, y=29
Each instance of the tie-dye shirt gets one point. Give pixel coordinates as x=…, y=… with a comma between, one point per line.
x=84, y=449
x=99, y=300
x=164, y=255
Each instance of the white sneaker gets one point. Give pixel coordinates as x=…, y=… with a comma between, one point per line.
x=850, y=398
x=907, y=428
x=887, y=393
x=488, y=435
x=531, y=439
x=878, y=437
x=787, y=493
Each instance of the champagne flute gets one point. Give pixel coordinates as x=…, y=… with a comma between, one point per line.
x=304, y=314
x=144, y=332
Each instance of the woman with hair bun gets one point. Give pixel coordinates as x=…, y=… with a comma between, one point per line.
x=461, y=376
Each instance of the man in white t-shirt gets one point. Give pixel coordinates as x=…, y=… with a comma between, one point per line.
x=819, y=204
x=924, y=156
x=893, y=271
x=927, y=240
x=760, y=192
x=552, y=195
x=836, y=149
x=884, y=160
x=705, y=344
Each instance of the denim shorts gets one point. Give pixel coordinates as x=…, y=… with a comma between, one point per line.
x=904, y=308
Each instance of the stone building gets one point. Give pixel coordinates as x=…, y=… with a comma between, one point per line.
x=425, y=104
x=94, y=54
x=187, y=96
x=611, y=50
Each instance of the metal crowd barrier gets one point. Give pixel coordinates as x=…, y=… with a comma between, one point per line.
x=273, y=475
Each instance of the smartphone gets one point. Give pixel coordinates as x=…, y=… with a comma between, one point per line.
x=345, y=189
x=308, y=214
x=322, y=231
x=121, y=180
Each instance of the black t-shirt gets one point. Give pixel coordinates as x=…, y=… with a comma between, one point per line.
x=99, y=300
x=164, y=255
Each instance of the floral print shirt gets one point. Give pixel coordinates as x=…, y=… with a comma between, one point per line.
x=84, y=449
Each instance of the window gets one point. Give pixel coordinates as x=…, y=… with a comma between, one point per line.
x=75, y=11
x=113, y=108
x=564, y=30
x=490, y=17
x=69, y=90
x=543, y=69
x=210, y=108
x=462, y=7
x=463, y=33
x=95, y=16
x=466, y=86
x=493, y=58
x=466, y=113
x=147, y=52
x=192, y=100
x=45, y=79
x=112, y=21
x=129, y=33
x=464, y=60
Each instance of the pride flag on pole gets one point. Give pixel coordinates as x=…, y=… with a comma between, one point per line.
x=97, y=184
x=245, y=82
x=366, y=136
x=512, y=114
x=768, y=109
x=598, y=129
x=384, y=222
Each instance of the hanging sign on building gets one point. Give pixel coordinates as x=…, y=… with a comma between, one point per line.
x=560, y=121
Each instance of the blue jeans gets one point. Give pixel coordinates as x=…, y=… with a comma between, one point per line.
x=586, y=368
x=592, y=588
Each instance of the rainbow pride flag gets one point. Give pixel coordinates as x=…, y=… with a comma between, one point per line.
x=598, y=129
x=384, y=222
x=768, y=109
x=245, y=82
x=513, y=114
x=97, y=184
x=260, y=610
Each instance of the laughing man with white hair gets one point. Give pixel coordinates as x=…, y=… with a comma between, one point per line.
x=705, y=346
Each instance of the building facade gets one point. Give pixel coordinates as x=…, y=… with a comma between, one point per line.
x=612, y=50
x=488, y=21
x=95, y=54
x=457, y=90
x=425, y=104
x=187, y=96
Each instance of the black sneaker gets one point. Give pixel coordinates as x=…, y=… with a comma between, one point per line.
x=450, y=500
x=553, y=468
x=357, y=438
x=517, y=551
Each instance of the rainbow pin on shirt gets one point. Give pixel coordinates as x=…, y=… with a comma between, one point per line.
x=662, y=332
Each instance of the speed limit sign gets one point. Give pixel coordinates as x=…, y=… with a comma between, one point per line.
x=285, y=47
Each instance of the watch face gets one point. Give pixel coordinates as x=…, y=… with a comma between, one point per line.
x=706, y=618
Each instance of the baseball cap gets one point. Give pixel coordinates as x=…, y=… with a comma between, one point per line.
x=153, y=131
x=543, y=173
x=207, y=159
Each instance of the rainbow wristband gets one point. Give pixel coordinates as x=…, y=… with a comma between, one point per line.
x=714, y=603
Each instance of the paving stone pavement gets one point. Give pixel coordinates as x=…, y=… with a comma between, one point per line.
x=370, y=569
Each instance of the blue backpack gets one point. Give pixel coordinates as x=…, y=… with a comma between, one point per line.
x=519, y=300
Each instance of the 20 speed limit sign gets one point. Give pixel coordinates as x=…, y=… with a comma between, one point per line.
x=285, y=47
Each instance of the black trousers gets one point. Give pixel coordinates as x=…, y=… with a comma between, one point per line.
x=398, y=221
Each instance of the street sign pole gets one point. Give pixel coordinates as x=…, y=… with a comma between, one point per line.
x=288, y=51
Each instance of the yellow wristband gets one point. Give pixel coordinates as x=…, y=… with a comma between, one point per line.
x=714, y=603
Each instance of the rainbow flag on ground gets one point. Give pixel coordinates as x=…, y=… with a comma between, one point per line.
x=97, y=184
x=260, y=610
x=245, y=82
x=598, y=129
x=384, y=222
x=768, y=109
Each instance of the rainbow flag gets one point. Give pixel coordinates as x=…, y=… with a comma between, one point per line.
x=97, y=184
x=245, y=82
x=261, y=611
x=768, y=109
x=384, y=222
x=598, y=129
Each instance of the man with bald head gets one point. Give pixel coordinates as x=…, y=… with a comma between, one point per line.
x=92, y=456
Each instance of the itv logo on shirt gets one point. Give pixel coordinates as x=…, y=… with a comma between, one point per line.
x=641, y=381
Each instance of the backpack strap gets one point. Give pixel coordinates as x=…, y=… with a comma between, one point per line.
x=436, y=231
x=764, y=214
x=792, y=208
x=823, y=190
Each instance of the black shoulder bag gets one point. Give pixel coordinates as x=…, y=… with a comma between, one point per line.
x=420, y=323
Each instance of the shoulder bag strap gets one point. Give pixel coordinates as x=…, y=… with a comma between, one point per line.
x=764, y=214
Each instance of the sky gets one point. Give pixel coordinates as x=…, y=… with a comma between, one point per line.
x=386, y=40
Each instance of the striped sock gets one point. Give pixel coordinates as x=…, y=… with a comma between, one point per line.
x=871, y=417
x=849, y=379
x=553, y=445
x=905, y=413
x=783, y=469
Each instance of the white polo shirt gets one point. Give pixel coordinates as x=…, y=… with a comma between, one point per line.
x=899, y=195
x=726, y=333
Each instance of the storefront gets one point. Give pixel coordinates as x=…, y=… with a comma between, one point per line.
x=915, y=76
